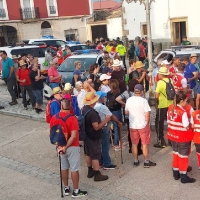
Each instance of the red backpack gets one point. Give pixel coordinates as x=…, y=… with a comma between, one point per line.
x=48, y=110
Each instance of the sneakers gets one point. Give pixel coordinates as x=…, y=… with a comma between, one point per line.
x=136, y=163
x=67, y=191
x=110, y=167
x=149, y=164
x=79, y=194
x=12, y=103
x=160, y=144
x=99, y=177
x=38, y=110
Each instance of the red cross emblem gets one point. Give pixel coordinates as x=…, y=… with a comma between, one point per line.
x=173, y=115
x=175, y=79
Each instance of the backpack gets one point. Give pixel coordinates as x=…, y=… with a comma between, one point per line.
x=48, y=110
x=75, y=106
x=111, y=103
x=169, y=90
x=59, y=130
x=137, y=51
x=81, y=123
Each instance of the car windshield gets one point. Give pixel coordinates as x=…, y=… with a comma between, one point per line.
x=35, y=52
x=60, y=43
x=68, y=64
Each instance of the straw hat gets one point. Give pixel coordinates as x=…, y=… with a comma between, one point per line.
x=193, y=55
x=90, y=98
x=22, y=63
x=56, y=90
x=14, y=57
x=117, y=63
x=139, y=65
x=163, y=71
x=68, y=86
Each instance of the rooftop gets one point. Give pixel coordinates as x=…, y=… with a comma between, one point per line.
x=106, y=4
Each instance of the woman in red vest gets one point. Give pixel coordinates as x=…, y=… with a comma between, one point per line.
x=180, y=134
x=195, y=121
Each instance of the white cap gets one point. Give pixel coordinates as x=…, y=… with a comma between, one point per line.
x=68, y=86
x=165, y=62
x=104, y=77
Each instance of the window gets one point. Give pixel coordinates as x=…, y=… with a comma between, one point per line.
x=3, y=10
x=52, y=7
x=71, y=34
x=144, y=29
x=36, y=52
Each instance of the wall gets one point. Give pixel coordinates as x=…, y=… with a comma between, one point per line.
x=114, y=28
x=42, y=7
x=73, y=7
x=161, y=13
x=13, y=9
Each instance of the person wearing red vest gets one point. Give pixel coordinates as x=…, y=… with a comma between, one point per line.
x=180, y=82
x=180, y=136
x=195, y=121
x=189, y=110
x=59, y=55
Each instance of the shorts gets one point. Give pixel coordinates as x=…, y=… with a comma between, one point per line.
x=71, y=159
x=198, y=90
x=143, y=133
x=38, y=94
x=92, y=148
x=183, y=148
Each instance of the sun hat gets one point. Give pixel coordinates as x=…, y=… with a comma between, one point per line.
x=90, y=98
x=193, y=55
x=117, y=63
x=104, y=77
x=138, y=88
x=14, y=57
x=139, y=65
x=68, y=86
x=163, y=71
x=165, y=62
x=21, y=63
x=101, y=94
x=56, y=90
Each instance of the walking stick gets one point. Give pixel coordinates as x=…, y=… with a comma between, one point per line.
x=121, y=145
x=61, y=185
x=118, y=169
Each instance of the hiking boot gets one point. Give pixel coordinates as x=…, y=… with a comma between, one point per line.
x=110, y=167
x=189, y=169
x=1, y=107
x=149, y=164
x=176, y=174
x=12, y=103
x=136, y=163
x=79, y=194
x=99, y=177
x=160, y=144
x=186, y=179
x=67, y=191
x=91, y=173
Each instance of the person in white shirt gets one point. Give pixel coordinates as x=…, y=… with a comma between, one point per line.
x=104, y=78
x=139, y=122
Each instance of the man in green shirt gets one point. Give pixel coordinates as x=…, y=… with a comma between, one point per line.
x=185, y=41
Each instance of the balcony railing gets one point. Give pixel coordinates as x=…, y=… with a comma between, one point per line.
x=52, y=9
x=30, y=13
x=2, y=13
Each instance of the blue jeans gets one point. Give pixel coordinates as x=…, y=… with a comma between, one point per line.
x=105, y=143
x=118, y=114
x=53, y=85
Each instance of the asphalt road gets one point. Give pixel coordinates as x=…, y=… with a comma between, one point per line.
x=29, y=169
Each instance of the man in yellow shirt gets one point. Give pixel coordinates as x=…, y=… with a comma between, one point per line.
x=121, y=50
x=162, y=104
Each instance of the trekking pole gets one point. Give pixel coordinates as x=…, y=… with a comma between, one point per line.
x=118, y=169
x=61, y=186
x=121, y=144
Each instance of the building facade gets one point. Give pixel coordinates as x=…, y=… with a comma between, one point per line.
x=25, y=19
x=170, y=21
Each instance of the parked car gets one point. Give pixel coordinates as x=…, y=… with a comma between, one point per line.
x=66, y=69
x=178, y=51
x=75, y=47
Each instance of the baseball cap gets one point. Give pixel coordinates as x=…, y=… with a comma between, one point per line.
x=101, y=94
x=104, y=77
x=56, y=90
x=138, y=88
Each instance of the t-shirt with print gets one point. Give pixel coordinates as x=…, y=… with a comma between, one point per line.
x=137, y=107
x=24, y=74
x=161, y=90
x=102, y=110
x=71, y=125
x=188, y=73
x=91, y=118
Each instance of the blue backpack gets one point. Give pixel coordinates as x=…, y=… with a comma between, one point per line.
x=77, y=111
x=58, y=131
x=137, y=51
x=81, y=123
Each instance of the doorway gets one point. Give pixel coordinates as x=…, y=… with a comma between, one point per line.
x=179, y=29
x=8, y=35
x=99, y=31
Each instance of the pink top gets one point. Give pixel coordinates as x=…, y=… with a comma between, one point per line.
x=53, y=72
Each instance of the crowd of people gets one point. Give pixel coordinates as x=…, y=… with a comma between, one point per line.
x=108, y=100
